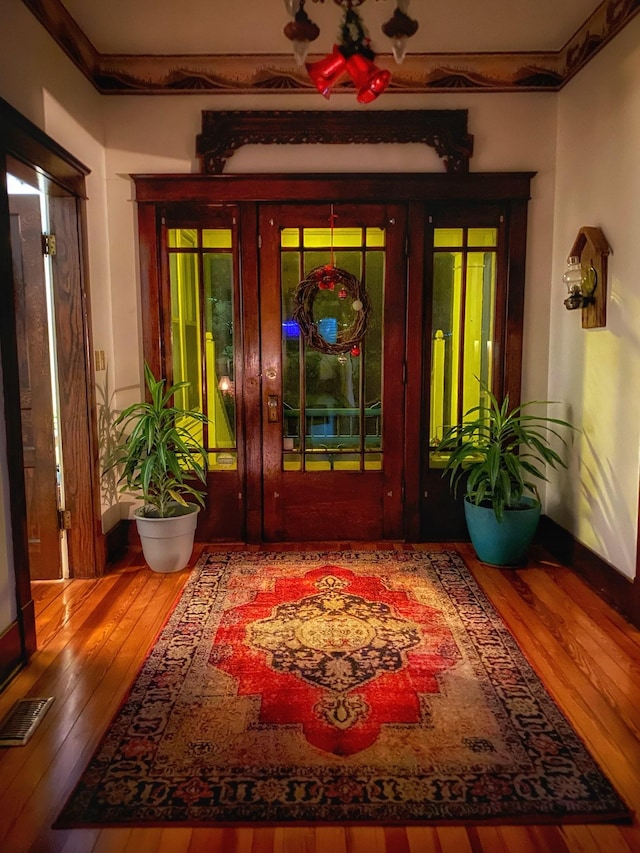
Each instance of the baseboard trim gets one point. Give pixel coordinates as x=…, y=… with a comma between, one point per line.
x=117, y=541
x=617, y=590
x=28, y=614
x=12, y=656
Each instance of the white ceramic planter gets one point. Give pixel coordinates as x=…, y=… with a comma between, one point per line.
x=167, y=543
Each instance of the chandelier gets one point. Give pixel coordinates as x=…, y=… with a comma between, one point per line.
x=352, y=54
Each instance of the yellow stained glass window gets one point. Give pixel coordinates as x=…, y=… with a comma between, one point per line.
x=201, y=277
x=463, y=308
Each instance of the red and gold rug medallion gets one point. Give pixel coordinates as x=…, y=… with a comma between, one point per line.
x=337, y=653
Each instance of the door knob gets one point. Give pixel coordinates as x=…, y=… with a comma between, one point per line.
x=273, y=414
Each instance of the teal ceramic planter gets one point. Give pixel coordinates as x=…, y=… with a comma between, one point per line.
x=502, y=543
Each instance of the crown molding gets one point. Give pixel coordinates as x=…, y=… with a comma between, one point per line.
x=128, y=74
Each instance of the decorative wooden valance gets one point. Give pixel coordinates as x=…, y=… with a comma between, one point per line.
x=223, y=132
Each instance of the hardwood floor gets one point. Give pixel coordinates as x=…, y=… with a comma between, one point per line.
x=93, y=636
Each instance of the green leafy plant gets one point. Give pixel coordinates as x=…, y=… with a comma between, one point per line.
x=497, y=450
x=155, y=452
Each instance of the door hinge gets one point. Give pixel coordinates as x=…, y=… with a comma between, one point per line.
x=404, y=372
x=259, y=241
x=407, y=247
x=64, y=516
x=48, y=244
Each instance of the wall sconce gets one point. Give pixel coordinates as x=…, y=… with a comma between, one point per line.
x=586, y=277
x=581, y=284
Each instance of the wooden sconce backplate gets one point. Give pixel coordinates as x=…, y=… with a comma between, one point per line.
x=593, y=250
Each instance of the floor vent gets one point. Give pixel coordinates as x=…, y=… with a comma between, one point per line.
x=22, y=720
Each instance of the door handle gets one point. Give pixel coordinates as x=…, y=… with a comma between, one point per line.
x=273, y=409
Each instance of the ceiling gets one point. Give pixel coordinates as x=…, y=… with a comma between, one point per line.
x=238, y=46
x=255, y=26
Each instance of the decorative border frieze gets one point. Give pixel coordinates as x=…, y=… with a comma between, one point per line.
x=120, y=74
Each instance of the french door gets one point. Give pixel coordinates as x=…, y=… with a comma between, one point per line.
x=331, y=338
x=332, y=308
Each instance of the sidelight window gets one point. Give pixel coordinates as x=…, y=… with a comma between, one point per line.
x=463, y=320
x=201, y=280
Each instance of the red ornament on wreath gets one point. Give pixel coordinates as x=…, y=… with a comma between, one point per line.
x=329, y=277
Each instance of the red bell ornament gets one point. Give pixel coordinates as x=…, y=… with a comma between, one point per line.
x=369, y=80
x=326, y=72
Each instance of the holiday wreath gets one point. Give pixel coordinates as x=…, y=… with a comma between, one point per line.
x=345, y=286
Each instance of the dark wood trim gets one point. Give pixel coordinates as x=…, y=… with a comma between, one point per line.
x=617, y=590
x=11, y=652
x=92, y=477
x=357, y=187
x=26, y=142
x=514, y=321
x=75, y=376
x=414, y=427
x=252, y=386
x=28, y=620
x=394, y=392
x=223, y=132
x=117, y=541
x=150, y=288
x=17, y=642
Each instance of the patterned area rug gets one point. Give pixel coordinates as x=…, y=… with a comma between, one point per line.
x=370, y=686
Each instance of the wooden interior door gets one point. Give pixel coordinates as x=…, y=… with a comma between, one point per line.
x=332, y=421
x=36, y=407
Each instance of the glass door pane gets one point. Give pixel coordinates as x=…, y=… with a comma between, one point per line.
x=332, y=400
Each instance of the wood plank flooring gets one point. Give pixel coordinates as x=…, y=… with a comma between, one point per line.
x=93, y=636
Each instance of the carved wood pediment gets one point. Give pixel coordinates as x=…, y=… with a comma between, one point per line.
x=223, y=132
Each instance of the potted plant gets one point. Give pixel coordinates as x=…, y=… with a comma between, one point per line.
x=498, y=452
x=158, y=457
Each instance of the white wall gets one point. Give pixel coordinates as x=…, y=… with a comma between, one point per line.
x=597, y=372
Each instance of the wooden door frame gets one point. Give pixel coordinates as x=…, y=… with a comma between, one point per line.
x=414, y=190
x=58, y=171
